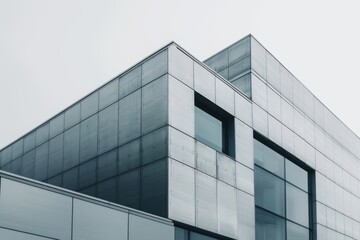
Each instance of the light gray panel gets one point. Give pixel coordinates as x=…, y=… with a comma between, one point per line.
x=150, y=229
x=224, y=96
x=154, y=105
x=320, y=213
x=309, y=104
x=244, y=144
x=109, y=94
x=299, y=147
x=154, y=146
x=258, y=58
x=204, y=82
x=309, y=131
x=181, y=106
x=226, y=169
x=258, y=91
x=130, y=82
x=89, y=105
x=8, y=234
x=181, y=147
x=108, y=128
x=298, y=91
x=274, y=130
x=130, y=117
x=299, y=123
x=260, y=120
x=227, y=213
x=319, y=113
x=206, y=205
x=287, y=139
x=35, y=210
x=286, y=81
x=243, y=109
x=182, y=193
x=93, y=222
x=205, y=159
x=154, y=67
x=244, y=178
x=181, y=66
x=274, y=103
x=287, y=114
x=245, y=216
x=319, y=140
x=273, y=71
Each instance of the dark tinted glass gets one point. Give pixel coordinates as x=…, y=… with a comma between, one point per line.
x=129, y=189
x=88, y=140
x=154, y=188
x=72, y=116
x=297, y=205
x=70, y=179
x=296, y=175
x=16, y=166
x=6, y=156
x=296, y=232
x=29, y=142
x=108, y=94
x=41, y=162
x=57, y=125
x=181, y=234
x=71, y=147
x=154, y=145
x=17, y=149
x=89, y=105
x=57, y=180
x=42, y=134
x=129, y=156
x=198, y=236
x=56, y=147
x=130, y=82
x=87, y=173
x=107, y=165
x=107, y=190
x=269, y=192
x=269, y=226
x=208, y=129
x=268, y=159
x=108, y=128
x=28, y=167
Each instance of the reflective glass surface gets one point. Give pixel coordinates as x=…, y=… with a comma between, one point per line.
x=296, y=232
x=208, y=129
x=296, y=175
x=297, y=205
x=269, y=226
x=268, y=159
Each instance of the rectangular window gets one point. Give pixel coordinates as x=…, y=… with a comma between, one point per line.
x=214, y=126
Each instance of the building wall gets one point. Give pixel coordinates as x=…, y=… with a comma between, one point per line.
x=36, y=211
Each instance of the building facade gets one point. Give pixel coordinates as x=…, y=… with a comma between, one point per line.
x=232, y=148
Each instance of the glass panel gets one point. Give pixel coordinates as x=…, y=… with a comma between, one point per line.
x=88, y=140
x=239, y=50
x=269, y=226
x=154, y=146
x=296, y=232
x=107, y=190
x=107, y=165
x=130, y=82
x=206, y=205
x=57, y=125
x=198, y=236
x=268, y=159
x=208, y=129
x=56, y=148
x=41, y=162
x=182, y=193
x=269, y=192
x=108, y=94
x=297, y=205
x=129, y=189
x=129, y=117
x=17, y=149
x=90, y=105
x=154, y=188
x=29, y=142
x=181, y=234
x=296, y=175
x=70, y=179
x=243, y=84
x=35, y=210
x=87, y=173
x=154, y=67
x=129, y=156
x=154, y=105
x=42, y=134
x=15, y=235
x=239, y=67
x=16, y=166
x=71, y=147
x=28, y=168
x=93, y=222
x=72, y=116
x=108, y=128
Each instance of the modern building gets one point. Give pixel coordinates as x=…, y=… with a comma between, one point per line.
x=234, y=147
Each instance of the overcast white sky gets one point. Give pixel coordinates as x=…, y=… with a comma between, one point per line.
x=53, y=52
